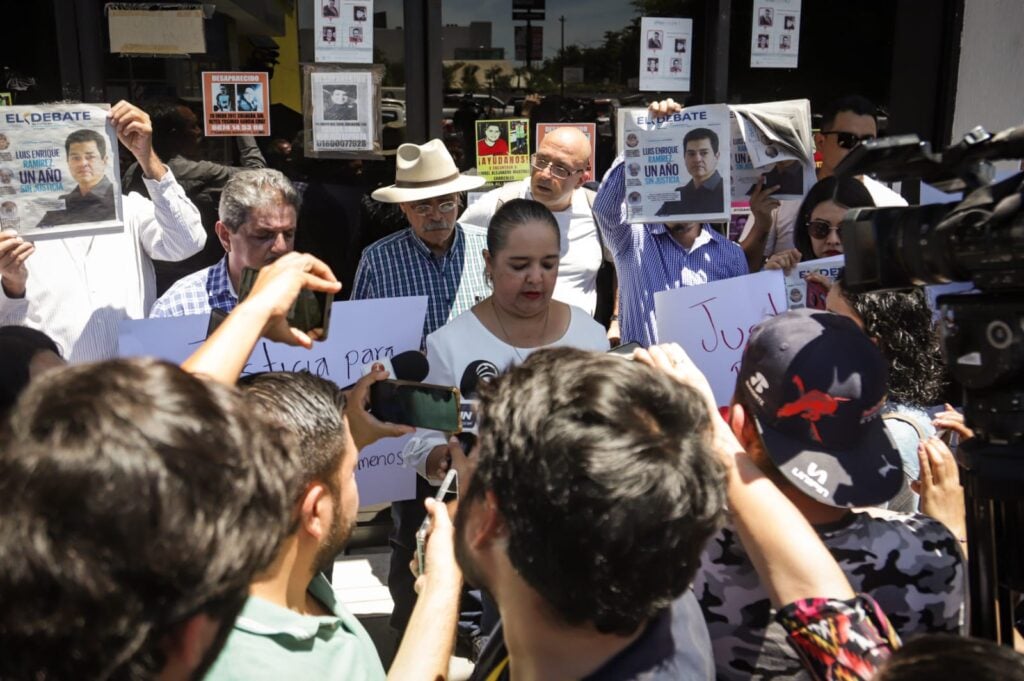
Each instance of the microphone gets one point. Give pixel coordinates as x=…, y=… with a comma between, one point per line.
x=476, y=372
x=411, y=365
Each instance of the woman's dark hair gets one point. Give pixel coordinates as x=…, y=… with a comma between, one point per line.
x=901, y=324
x=18, y=345
x=847, y=192
x=944, y=656
x=513, y=214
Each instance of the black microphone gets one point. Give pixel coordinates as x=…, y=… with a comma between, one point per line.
x=476, y=371
x=411, y=365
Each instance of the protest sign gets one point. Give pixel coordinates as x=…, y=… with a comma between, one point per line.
x=775, y=36
x=588, y=129
x=665, y=49
x=673, y=168
x=236, y=104
x=773, y=139
x=173, y=29
x=503, y=149
x=362, y=332
x=712, y=322
x=343, y=31
x=803, y=293
x=342, y=112
x=59, y=171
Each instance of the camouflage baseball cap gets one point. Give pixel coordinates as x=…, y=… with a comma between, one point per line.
x=816, y=385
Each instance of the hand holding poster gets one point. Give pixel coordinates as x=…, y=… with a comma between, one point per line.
x=236, y=104
x=772, y=139
x=802, y=291
x=59, y=171
x=503, y=150
x=673, y=168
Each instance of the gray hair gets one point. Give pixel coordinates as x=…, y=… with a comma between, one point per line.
x=248, y=190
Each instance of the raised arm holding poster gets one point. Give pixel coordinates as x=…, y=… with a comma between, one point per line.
x=773, y=139
x=674, y=164
x=503, y=150
x=59, y=171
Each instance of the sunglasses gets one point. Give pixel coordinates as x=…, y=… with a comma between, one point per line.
x=819, y=229
x=559, y=172
x=848, y=140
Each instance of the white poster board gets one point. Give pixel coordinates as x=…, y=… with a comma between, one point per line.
x=59, y=171
x=677, y=166
x=343, y=31
x=173, y=30
x=775, y=35
x=712, y=322
x=666, y=46
x=361, y=332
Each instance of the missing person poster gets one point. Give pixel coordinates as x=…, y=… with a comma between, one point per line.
x=59, y=171
x=503, y=150
x=677, y=166
x=588, y=129
x=666, y=46
x=341, y=115
x=236, y=104
x=343, y=31
x=775, y=36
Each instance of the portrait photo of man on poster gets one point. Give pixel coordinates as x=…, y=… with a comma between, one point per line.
x=704, y=193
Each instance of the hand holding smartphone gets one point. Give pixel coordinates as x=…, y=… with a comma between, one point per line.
x=435, y=407
x=311, y=309
x=448, y=491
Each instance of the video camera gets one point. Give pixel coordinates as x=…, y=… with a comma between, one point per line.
x=979, y=239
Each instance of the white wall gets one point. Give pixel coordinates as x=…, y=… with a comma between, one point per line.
x=990, y=85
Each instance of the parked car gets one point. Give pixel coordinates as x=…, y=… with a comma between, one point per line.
x=490, y=105
x=392, y=111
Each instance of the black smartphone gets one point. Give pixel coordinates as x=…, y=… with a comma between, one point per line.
x=435, y=407
x=311, y=309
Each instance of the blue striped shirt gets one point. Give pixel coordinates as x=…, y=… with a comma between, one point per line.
x=197, y=293
x=402, y=265
x=648, y=259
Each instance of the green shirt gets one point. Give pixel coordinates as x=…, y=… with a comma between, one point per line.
x=272, y=642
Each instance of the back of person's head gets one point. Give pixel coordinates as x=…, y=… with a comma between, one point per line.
x=249, y=190
x=855, y=104
x=944, y=656
x=170, y=126
x=813, y=386
x=900, y=322
x=134, y=499
x=513, y=214
x=606, y=479
x=847, y=192
x=19, y=345
x=311, y=408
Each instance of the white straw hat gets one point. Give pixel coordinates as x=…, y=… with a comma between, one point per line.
x=423, y=171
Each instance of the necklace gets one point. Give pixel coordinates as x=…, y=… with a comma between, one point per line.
x=508, y=338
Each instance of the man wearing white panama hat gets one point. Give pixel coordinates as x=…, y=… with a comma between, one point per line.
x=436, y=256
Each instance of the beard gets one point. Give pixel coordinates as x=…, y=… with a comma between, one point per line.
x=334, y=543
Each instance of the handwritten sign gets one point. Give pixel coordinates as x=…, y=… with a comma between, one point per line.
x=712, y=322
x=362, y=331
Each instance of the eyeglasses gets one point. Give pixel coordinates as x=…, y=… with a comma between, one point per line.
x=557, y=171
x=424, y=209
x=848, y=140
x=819, y=229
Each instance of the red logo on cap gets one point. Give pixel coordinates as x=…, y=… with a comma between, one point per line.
x=811, y=406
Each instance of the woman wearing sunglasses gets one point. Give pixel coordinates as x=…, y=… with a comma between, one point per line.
x=818, y=233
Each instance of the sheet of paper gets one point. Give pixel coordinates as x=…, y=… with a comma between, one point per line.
x=343, y=31
x=236, y=103
x=342, y=117
x=775, y=36
x=666, y=46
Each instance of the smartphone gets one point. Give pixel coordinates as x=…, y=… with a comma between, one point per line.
x=311, y=309
x=435, y=407
x=625, y=350
x=448, y=491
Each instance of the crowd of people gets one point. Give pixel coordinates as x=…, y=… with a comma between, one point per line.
x=176, y=522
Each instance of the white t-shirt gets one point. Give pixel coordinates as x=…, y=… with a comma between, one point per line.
x=581, y=252
x=464, y=344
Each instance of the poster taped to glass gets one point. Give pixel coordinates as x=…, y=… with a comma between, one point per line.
x=342, y=112
x=674, y=169
x=503, y=149
x=236, y=104
x=589, y=131
x=59, y=171
x=343, y=31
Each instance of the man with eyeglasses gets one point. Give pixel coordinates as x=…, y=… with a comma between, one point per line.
x=558, y=171
x=845, y=123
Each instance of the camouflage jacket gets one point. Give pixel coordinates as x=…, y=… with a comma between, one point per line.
x=909, y=563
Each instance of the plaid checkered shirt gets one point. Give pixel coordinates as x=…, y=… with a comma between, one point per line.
x=198, y=293
x=402, y=265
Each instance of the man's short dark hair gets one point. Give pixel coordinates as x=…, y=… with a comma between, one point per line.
x=133, y=496
x=701, y=134
x=169, y=124
x=86, y=135
x=855, y=104
x=605, y=475
x=310, y=407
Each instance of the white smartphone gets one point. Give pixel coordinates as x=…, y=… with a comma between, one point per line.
x=448, y=491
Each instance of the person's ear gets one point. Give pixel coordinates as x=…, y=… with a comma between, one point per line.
x=738, y=421
x=316, y=511
x=186, y=645
x=486, y=524
x=819, y=140
x=223, y=235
